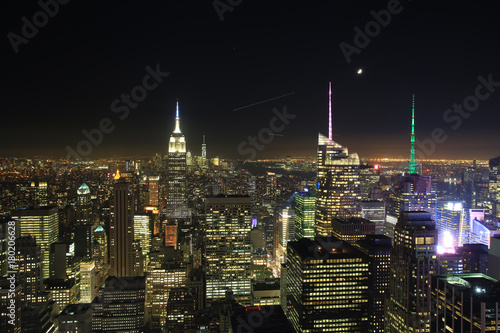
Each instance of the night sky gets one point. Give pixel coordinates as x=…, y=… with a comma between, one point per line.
x=64, y=79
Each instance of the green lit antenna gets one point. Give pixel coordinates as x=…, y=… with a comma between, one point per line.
x=412, y=163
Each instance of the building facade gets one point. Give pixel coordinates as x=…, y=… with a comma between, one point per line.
x=228, y=248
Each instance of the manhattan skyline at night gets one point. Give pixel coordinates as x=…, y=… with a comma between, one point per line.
x=248, y=166
x=230, y=74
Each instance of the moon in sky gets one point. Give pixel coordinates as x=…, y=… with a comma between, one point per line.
x=360, y=71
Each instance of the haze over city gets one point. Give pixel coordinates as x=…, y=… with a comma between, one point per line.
x=64, y=79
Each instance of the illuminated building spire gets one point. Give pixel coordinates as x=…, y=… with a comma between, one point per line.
x=330, y=134
x=412, y=163
x=177, y=119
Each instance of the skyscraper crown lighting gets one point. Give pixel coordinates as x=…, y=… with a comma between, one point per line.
x=412, y=164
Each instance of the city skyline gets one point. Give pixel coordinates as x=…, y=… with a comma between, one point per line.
x=230, y=74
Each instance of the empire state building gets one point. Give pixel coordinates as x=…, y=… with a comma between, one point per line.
x=176, y=169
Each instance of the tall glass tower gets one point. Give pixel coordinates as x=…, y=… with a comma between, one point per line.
x=338, y=173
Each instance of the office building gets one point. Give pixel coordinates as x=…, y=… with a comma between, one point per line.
x=374, y=211
x=171, y=235
x=450, y=217
x=338, y=194
x=62, y=261
x=84, y=229
x=327, y=286
x=159, y=282
x=494, y=258
x=182, y=309
x=143, y=231
x=286, y=231
x=450, y=262
x=482, y=231
x=37, y=318
x=305, y=210
x=467, y=227
x=63, y=292
x=76, y=318
x=352, y=229
x=38, y=193
x=101, y=255
x=338, y=172
x=204, y=153
x=413, y=260
x=43, y=224
x=121, y=230
x=228, y=248
x=29, y=272
x=266, y=292
x=119, y=306
x=475, y=258
x=154, y=190
x=88, y=286
x=378, y=249
x=464, y=303
x=83, y=207
x=84, y=241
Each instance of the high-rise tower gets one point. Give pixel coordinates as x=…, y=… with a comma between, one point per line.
x=228, y=249
x=176, y=169
x=84, y=235
x=413, y=260
x=43, y=224
x=121, y=230
x=204, y=153
x=338, y=173
x=413, y=192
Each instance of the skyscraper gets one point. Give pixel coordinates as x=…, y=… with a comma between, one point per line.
x=38, y=193
x=327, y=283
x=228, y=247
x=338, y=172
x=121, y=230
x=413, y=192
x=305, y=205
x=450, y=216
x=352, y=229
x=204, y=153
x=154, y=190
x=43, y=224
x=84, y=230
x=413, y=260
x=159, y=282
x=378, y=249
x=101, y=255
x=29, y=273
x=83, y=207
x=120, y=305
x=374, y=211
x=286, y=231
x=176, y=168
x=87, y=281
